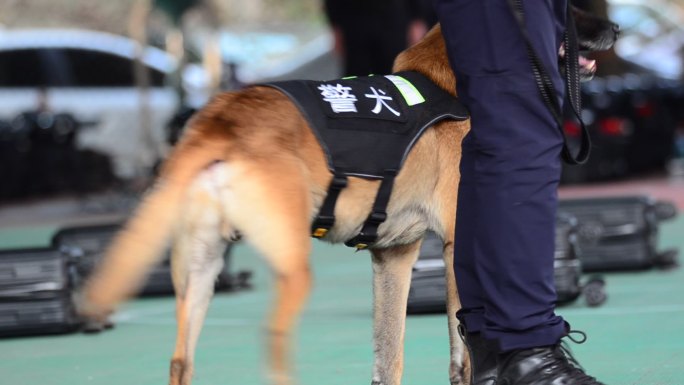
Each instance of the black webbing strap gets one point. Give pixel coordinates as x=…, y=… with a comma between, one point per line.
x=572, y=80
x=369, y=231
x=326, y=215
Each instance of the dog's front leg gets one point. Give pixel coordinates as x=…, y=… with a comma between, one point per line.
x=459, y=366
x=391, y=282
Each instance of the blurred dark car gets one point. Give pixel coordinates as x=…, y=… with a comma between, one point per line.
x=632, y=121
x=633, y=113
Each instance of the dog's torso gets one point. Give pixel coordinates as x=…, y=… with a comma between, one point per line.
x=282, y=131
x=367, y=127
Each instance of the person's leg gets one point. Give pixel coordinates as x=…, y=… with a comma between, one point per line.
x=389, y=39
x=358, y=47
x=510, y=168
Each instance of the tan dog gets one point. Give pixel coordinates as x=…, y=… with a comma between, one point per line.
x=250, y=162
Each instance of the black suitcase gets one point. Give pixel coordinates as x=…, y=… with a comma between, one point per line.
x=567, y=266
x=428, y=286
x=620, y=233
x=87, y=244
x=36, y=292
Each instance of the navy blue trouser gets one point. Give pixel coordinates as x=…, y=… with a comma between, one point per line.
x=510, y=169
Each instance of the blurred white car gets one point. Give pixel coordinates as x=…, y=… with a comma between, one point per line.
x=90, y=75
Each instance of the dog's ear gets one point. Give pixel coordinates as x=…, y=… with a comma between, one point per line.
x=429, y=57
x=594, y=33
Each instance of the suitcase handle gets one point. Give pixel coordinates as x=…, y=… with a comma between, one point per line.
x=27, y=290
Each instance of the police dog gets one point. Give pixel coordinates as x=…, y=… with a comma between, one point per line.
x=249, y=163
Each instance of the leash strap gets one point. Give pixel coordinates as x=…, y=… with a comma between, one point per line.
x=369, y=231
x=326, y=216
x=572, y=81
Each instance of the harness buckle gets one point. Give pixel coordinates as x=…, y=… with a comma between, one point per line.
x=319, y=232
x=362, y=241
x=322, y=225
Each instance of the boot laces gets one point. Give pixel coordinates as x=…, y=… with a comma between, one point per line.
x=562, y=361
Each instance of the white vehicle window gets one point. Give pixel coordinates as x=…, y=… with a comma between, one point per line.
x=21, y=68
x=68, y=67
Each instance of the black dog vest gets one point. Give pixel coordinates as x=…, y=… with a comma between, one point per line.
x=367, y=126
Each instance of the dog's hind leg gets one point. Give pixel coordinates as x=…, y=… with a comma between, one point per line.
x=273, y=213
x=197, y=259
x=391, y=282
x=292, y=288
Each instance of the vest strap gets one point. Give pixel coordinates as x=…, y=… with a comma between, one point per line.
x=325, y=219
x=369, y=232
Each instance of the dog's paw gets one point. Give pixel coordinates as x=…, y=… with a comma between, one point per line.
x=96, y=326
x=458, y=379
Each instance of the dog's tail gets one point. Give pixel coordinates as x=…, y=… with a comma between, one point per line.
x=140, y=245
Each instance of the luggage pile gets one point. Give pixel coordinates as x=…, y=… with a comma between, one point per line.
x=621, y=233
x=592, y=235
x=568, y=267
x=37, y=286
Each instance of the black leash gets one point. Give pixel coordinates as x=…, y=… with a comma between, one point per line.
x=572, y=81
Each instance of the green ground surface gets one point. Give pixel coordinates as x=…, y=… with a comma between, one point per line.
x=636, y=338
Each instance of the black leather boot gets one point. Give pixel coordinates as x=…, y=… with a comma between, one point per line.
x=550, y=365
x=482, y=359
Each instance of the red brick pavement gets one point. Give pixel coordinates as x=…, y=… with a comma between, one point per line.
x=660, y=187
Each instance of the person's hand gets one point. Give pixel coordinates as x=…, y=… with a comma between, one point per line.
x=416, y=30
x=587, y=67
